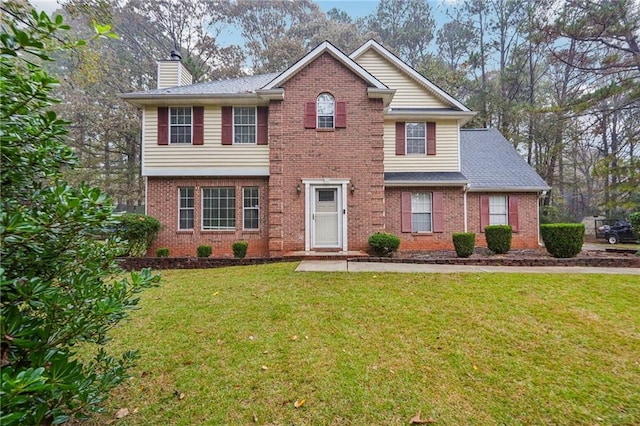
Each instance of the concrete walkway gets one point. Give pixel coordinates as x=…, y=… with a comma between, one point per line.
x=345, y=266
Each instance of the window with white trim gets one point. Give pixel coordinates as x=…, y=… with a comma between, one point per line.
x=325, y=111
x=219, y=208
x=421, y=212
x=416, y=138
x=251, y=208
x=498, y=210
x=185, y=208
x=244, y=125
x=180, y=120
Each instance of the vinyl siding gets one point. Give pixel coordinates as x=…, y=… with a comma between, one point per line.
x=409, y=93
x=168, y=74
x=185, y=76
x=445, y=160
x=212, y=154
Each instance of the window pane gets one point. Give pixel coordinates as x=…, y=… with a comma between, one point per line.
x=416, y=138
x=325, y=105
x=218, y=208
x=251, y=208
x=498, y=211
x=421, y=212
x=244, y=124
x=180, y=124
x=185, y=208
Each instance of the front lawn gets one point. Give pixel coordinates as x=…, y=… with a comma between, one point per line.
x=242, y=345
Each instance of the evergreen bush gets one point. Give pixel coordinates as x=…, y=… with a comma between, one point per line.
x=464, y=243
x=383, y=244
x=240, y=249
x=204, y=251
x=139, y=231
x=162, y=252
x=634, y=219
x=563, y=239
x=498, y=238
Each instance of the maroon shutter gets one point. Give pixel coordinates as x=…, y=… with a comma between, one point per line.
x=341, y=115
x=406, y=212
x=227, y=125
x=163, y=125
x=400, y=138
x=437, y=199
x=485, y=217
x=310, y=116
x=431, y=138
x=198, y=125
x=263, y=131
x=513, y=212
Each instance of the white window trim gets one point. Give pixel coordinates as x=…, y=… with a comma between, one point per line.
x=255, y=125
x=202, y=227
x=413, y=231
x=406, y=138
x=250, y=208
x=181, y=125
x=186, y=208
x=333, y=98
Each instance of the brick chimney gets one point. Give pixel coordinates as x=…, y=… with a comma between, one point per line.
x=172, y=72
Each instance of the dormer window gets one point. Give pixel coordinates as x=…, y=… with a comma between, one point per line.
x=325, y=111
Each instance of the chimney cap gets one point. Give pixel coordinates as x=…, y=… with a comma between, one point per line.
x=175, y=56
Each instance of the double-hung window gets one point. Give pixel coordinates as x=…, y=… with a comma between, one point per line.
x=219, y=208
x=185, y=208
x=498, y=210
x=251, y=207
x=244, y=125
x=325, y=111
x=180, y=119
x=416, y=135
x=421, y=210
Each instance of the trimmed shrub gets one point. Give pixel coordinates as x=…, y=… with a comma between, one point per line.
x=383, y=244
x=138, y=231
x=240, y=249
x=464, y=243
x=498, y=238
x=162, y=252
x=204, y=251
x=563, y=239
x=634, y=219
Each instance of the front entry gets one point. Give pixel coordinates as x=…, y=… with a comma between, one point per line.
x=326, y=218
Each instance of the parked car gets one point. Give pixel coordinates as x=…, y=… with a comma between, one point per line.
x=620, y=232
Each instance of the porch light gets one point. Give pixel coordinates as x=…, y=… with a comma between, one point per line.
x=298, y=189
x=352, y=188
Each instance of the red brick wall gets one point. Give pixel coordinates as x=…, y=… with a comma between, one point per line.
x=453, y=219
x=162, y=203
x=296, y=153
x=527, y=235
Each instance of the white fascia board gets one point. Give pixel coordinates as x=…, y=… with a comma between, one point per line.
x=199, y=99
x=509, y=189
x=311, y=56
x=271, y=94
x=205, y=171
x=385, y=94
x=463, y=116
x=423, y=183
x=372, y=44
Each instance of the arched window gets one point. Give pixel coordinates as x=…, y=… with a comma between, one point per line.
x=325, y=107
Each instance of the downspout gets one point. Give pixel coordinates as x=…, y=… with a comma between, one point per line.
x=465, y=189
x=540, y=197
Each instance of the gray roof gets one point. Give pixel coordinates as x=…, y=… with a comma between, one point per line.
x=246, y=84
x=433, y=178
x=490, y=162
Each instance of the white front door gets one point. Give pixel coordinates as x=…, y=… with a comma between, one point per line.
x=326, y=217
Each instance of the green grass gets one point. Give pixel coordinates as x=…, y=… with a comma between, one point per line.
x=473, y=349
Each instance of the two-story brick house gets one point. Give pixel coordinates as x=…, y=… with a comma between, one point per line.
x=322, y=155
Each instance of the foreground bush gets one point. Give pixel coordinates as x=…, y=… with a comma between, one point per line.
x=162, y=252
x=139, y=231
x=464, y=243
x=58, y=290
x=203, y=251
x=383, y=244
x=498, y=238
x=240, y=249
x=563, y=239
x=634, y=219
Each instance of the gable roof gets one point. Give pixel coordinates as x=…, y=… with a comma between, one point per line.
x=491, y=163
x=377, y=47
x=325, y=47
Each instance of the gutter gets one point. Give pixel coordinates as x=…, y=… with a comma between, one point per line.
x=396, y=183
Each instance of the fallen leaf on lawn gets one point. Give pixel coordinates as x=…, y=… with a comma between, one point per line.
x=178, y=394
x=135, y=410
x=295, y=337
x=255, y=418
x=220, y=341
x=123, y=412
x=215, y=293
x=417, y=420
x=265, y=368
x=475, y=367
x=299, y=403
x=251, y=337
x=265, y=352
